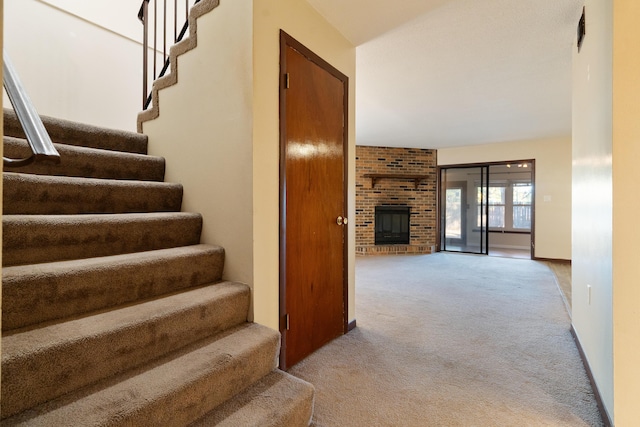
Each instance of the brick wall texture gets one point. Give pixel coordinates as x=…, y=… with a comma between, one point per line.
x=399, y=192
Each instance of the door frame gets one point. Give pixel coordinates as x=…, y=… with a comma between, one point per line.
x=488, y=164
x=463, y=216
x=287, y=41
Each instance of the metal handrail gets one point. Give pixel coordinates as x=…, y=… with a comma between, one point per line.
x=37, y=136
x=143, y=16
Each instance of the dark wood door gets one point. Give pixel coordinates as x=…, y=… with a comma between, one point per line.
x=313, y=196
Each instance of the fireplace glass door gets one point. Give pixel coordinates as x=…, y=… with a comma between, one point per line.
x=392, y=225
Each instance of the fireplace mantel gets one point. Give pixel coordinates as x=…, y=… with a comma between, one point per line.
x=417, y=179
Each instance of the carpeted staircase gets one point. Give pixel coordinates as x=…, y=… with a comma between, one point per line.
x=113, y=313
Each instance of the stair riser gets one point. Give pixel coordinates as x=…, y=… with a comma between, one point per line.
x=44, y=374
x=233, y=374
x=89, y=163
x=40, y=195
x=278, y=399
x=72, y=133
x=171, y=392
x=44, y=292
x=34, y=239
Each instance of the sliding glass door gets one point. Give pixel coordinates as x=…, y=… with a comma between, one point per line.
x=511, y=209
x=464, y=209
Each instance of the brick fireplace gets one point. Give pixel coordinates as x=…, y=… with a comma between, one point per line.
x=396, y=177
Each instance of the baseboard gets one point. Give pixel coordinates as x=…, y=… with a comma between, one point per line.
x=558, y=260
x=603, y=413
x=351, y=326
x=519, y=248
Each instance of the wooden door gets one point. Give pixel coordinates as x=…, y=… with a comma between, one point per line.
x=313, y=201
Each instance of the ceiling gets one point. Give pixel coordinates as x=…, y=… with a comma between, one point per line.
x=446, y=73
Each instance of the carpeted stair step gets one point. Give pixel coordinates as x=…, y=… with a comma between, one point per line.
x=278, y=399
x=32, y=239
x=88, y=162
x=72, y=133
x=51, y=195
x=173, y=391
x=43, y=292
x=37, y=363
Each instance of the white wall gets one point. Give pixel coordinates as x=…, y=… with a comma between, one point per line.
x=81, y=67
x=552, y=185
x=626, y=206
x=303, y=23
x=119, y=16
x=592, y=195
x=205, y=132
x=509, y=241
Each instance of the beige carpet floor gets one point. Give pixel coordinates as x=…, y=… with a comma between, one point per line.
x=452, y=340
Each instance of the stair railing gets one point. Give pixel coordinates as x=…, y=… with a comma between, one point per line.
x=37, y=136
x=145, y=17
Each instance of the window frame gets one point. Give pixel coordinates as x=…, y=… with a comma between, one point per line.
x=514, y=185
x=508, y=205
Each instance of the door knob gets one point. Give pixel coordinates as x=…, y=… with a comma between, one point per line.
x=342, y=221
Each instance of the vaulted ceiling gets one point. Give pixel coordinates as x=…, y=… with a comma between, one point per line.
x=445, y=73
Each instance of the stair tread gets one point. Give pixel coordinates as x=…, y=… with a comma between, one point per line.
x=45, y=194
x=81, y=134
x=88, y=162
x=174, y=390
x=278, y=399
x=89, y=181
x=96, y=218
x=36, y=362
x=41, y=292
x=32, y=239
x=50, y=336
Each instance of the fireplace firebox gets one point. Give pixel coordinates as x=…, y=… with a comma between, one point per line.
x=392, y=225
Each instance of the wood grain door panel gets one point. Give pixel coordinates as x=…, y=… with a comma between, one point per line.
x=314, y=196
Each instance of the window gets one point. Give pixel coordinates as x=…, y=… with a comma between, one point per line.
x=497, y=207
x=522, y=206
x=509, y=206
